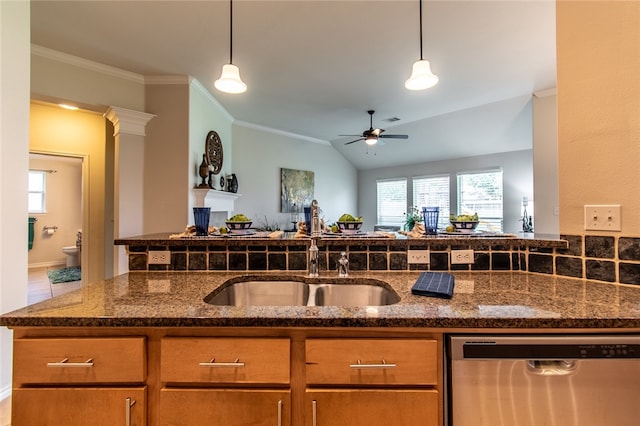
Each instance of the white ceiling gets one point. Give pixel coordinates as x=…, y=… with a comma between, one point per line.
x=314, y=67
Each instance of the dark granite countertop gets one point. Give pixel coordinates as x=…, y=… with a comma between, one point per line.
x=392, y=239
x=487, y=300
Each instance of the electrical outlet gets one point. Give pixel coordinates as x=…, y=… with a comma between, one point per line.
x=418, y=256
x=159, y=257
x=602, y=218
x=461, y=256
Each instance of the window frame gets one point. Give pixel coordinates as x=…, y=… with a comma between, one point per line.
x=42, y=193
x=487, y=222
x=392, y=219
x=445, y=207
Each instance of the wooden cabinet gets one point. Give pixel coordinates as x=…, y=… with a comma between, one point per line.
x=225, y=407
x=258, y=376
x=389, y=381
x=79, y=406
x=241, y=381
x=79, y=381
x=372, y=407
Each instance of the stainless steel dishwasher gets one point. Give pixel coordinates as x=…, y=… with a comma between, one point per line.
x=543, y=380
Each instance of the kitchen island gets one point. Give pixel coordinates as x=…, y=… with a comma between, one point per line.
x=150, y=350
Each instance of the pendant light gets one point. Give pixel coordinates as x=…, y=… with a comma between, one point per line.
x=230, y=81
x=421, y=75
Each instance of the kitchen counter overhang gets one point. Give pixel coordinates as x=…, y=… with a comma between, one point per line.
x=487, y=300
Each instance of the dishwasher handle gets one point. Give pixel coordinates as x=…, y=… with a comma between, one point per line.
x=562, y=367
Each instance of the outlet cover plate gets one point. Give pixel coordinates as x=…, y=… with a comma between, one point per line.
x=459, y=257
x=159, y=257
x=418, y=256
x=602, y=217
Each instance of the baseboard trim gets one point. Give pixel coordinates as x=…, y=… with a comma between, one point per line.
x=5, y=392
x=46, y=264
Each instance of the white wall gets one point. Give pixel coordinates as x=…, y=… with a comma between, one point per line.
x=14, y=163
x=545, y=164
x=259, y=155
x=517, y=170
x=63, y=209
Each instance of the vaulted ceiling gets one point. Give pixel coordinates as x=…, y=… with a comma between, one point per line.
x=314, y=67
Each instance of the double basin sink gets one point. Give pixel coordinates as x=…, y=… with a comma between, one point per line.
x=301, y=291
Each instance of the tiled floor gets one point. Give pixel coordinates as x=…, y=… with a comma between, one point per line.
x=38, y=289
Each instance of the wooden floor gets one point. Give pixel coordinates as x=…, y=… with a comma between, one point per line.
x=38, y=289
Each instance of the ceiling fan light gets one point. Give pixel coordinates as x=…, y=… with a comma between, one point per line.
x=371, y=140
x=421, y=76
x=230, y=81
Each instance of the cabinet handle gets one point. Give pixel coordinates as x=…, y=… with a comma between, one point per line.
x=128, y=403
x=280, y=413
x=384, y=364
x=314, y=413
x=65, y=363
x=213, y=363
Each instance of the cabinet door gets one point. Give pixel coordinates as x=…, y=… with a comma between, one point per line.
x=354, y=407
x=79, y=406
x=225, y=407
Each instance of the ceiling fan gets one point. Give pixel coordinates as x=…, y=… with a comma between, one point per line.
x=372, y=135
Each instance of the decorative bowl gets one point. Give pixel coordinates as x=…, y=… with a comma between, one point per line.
x=464, y=227
x=349, y=227
x=238, y=226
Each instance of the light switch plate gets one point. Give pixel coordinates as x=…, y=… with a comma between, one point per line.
x=602, y=217
x=418, y=256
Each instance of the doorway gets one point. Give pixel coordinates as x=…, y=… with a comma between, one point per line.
x=56, y=203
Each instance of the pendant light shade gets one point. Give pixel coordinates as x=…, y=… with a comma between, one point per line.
x=230, y=81
x=421, y=75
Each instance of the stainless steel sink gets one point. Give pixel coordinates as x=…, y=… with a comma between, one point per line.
x=303, y=292
x=354, y=295
x=261, y=293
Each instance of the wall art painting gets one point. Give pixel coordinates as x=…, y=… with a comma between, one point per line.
x=296, y=190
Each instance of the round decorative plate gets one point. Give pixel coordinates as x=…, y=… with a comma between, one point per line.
x=213, y=150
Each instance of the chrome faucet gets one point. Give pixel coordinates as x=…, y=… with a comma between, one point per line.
x=315, y=220
x=313, y=259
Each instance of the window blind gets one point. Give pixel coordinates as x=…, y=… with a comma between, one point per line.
x=433, y=191
x=482, y=193
x=391, y=201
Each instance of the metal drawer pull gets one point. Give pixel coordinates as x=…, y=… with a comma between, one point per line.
x=128, y=403
x=280, y=413
x=382, y=365
x=65, y=363
x=314, y=412
x=213, y=363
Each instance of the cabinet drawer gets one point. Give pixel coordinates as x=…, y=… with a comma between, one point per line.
x=224, y=360
x=79, y=406
x=225, y=407
x=372, y=361
x=79, y=360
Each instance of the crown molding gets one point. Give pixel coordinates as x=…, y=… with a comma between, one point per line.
x=544, y=93
x=168, y=79
x=86, y=64
x=280, y=132
x=128, y=121
x=197, y=85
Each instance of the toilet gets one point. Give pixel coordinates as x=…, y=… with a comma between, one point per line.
x=73, y=255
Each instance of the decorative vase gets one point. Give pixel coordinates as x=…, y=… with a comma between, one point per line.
x=204, y=172
x=232, y=183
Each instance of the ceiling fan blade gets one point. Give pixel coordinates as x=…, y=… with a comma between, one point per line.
x=349, y=135
x=394, y=136
x=357, y=140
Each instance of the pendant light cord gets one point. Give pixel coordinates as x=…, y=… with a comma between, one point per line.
x=421, y=30
x=231, y=31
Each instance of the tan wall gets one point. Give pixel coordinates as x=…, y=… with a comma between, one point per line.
x=59, y=131
x=598, y=110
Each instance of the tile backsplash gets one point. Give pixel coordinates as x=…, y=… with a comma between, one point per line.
x=603, y=258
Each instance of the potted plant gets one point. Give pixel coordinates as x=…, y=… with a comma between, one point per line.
x=412, y=217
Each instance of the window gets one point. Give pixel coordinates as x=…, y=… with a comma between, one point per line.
x=433, y=191
x=37, y=185
x=391, y=201
x=481, y=192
